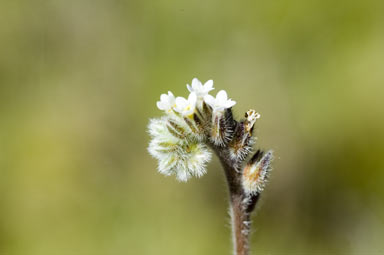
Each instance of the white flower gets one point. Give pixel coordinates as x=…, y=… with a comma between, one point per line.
x=221, y=101
x=186, y=107
x=200, y=89
x=167, y=102
x=251, y=116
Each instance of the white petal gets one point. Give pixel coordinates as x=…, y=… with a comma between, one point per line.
x=192, y=98
x=222, y=96
x=170, y=94
x=229, y=103
x=196, y=83
x=208, y=86
x=190, y=89
x=209, y=100
x=159, y=105
x=181, y=103
x=171, y=98
x=163, y=97
x=189, y=112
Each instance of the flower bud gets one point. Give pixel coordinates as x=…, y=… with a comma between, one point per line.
x=222, y=127
x=241, y=144
x=206, y=111
x=185, y=128
x=256, y=172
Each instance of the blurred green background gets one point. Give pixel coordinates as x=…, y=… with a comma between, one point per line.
x=79, y=80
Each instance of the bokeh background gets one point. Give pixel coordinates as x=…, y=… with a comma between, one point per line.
x=79, y=80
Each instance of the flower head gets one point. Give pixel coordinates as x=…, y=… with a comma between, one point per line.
x=186, y=107
x=167, y=102
x=180, y=140
x=200, y=89
x=221, y=101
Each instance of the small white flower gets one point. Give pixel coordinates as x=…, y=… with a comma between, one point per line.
x=200, y=89
x=221, y=101
x=186, y=107
x=251, y=116
x=167, y=102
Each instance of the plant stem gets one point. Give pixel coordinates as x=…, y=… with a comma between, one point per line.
x=240, y=226
x=241, y=205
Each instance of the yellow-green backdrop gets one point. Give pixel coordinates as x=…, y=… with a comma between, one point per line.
x=79, y=80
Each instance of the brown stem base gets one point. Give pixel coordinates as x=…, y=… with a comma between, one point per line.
x=240, y=225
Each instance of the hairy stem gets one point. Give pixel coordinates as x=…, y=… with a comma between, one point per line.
x=240, y=226
x=241, y=205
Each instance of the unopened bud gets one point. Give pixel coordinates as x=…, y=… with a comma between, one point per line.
x=243, y=141
x=256, y=172
x=222, y=127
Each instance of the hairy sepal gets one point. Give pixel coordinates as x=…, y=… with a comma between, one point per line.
x=256, y=172
x=177, y=152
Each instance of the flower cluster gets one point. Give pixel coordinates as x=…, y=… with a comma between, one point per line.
x=178, y=137
x=199, y=94
x=182, y=137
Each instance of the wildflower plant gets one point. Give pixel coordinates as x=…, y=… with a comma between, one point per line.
x=182, y=141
